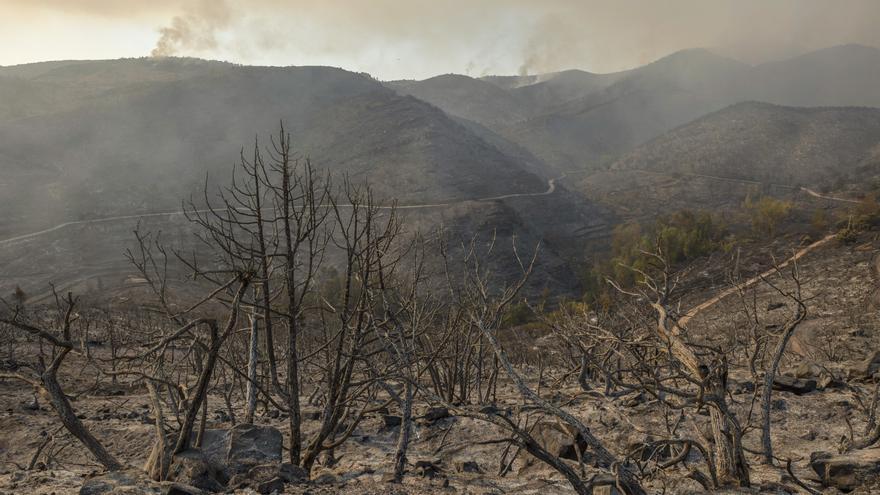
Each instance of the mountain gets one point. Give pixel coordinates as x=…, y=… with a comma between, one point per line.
x=142, y=142
x=582, y=121
x=466, y=97
x=768, y=143
x=845, y=75
x=96, y=139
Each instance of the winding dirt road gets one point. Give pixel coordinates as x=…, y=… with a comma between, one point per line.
x=830, y=198
x=551, y=188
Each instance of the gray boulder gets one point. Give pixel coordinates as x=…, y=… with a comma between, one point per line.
x=193, y=468
x=252, y=445
x=215, y=444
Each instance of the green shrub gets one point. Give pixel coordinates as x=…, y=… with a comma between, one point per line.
x=766, y=213
x=680, y=237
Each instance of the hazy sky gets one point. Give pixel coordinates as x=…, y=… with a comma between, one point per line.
x=418, y=38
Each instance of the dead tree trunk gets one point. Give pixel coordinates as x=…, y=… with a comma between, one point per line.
x=730, y=460
x=627, y=479
x=68, y=416
x=770, y=374
x=253, y=357
x=404, y=434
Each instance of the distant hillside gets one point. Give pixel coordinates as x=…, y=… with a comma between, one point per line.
x=146, y=135
x=847, y=75
x=467, y=98
x=97, y=139
x=768, y=143
x=577, y=120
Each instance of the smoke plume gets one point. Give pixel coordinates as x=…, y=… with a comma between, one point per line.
x=420, y=38
x=195, y=31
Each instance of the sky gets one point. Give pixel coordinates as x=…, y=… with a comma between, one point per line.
x=397, y=39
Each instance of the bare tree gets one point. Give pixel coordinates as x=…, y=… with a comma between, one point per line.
x=58, y=334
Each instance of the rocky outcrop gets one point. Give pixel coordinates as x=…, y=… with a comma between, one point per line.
x=847, y=471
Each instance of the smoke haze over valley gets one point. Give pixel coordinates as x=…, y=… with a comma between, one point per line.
x=287, y=246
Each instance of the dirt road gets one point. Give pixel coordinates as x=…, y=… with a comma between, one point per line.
x=551, y=188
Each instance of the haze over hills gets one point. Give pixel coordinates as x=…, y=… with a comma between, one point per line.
x=147, y=138
x=93, y=139
x=605, y=260
x=96, y=139
x=614, y=113
x=770, y=144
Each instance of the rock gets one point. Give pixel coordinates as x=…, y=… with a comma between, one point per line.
x=292, y=474
x=561, y=440
x=275, y=485
x=633, y=401
x=868, y=367
x=775, y=306
x=777, y=488
x=808, y=436
x=215, y=444
x=427, y=469
x=252, y=445
x=391, y=421
x=467, y=467
x=808, y=370
x=604, y=484
x=180, y=489
x=744, y=388
x=285, y=471
x=812, y=371
x=193, y=467
x=846, y=471
x=436, y=414
x=132, y=482
x=797, y=386
x=326, y=479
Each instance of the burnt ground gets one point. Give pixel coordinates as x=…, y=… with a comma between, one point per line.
x=842, y=327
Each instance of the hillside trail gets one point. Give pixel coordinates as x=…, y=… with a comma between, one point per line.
x=830, y=198
x=551, y=188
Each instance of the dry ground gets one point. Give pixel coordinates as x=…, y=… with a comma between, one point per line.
x=840, y=283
